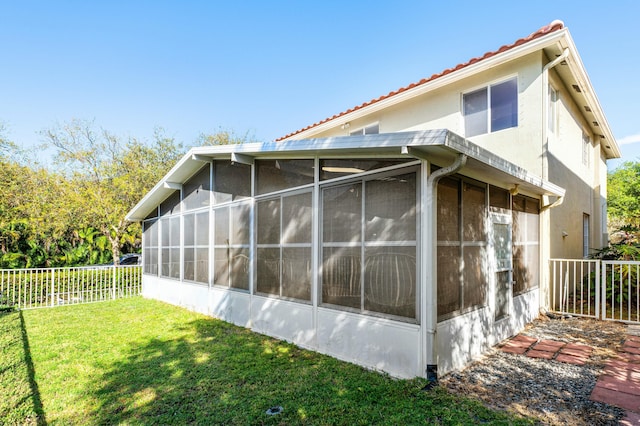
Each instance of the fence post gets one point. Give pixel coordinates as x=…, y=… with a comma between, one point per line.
x=603, y=291
x=53, y=288
x=597, y=288
x=113, y=281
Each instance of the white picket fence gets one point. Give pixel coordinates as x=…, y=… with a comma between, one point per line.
x=603, y=289
x=48, y=287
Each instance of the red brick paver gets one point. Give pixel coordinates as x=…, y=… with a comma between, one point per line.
x=546, y=347
x=619, y=384
x=571, y=353
x=571, y=359
x=523, y=338
x=540, y=354
x=630, y=419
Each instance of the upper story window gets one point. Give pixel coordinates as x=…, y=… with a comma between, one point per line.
x=372, y=129
x=491, y=108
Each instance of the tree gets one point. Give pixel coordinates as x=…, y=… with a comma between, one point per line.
x=108, y=176
x=223, y=137
x=623, y=188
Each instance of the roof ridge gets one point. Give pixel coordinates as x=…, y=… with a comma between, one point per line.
x=553, y=26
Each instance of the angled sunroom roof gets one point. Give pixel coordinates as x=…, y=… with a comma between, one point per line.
x=440, y=146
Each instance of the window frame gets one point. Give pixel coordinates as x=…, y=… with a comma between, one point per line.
x=195, y=245
x=170, y=211
x=363, y=244
x=463, y=244
x=363, y=130
x=489, y=108
x=281, y=246
x=241, y=246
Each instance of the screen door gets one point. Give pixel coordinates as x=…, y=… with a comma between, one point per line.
x=502, y=246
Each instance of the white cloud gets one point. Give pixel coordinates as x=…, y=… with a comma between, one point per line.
x=629, y=139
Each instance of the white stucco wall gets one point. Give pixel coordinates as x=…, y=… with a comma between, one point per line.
x=585, y=190
x=465, y=338
x=376, y=343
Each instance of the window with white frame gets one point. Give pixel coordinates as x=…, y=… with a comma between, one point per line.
x=372, y=129
x=369, y=247
x=283, y=249
x=491, y=108
x=526, y=244
x=196, y=247
x=462, y=244
x=231, y=221
x=170, y=237
x=552, y=110
x=232, y=224
x=150, y=245
x=195, y=235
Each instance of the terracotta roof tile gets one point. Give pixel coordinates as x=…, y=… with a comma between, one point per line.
x=554, y=26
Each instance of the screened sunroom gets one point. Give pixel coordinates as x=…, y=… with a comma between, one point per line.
x=375, y=249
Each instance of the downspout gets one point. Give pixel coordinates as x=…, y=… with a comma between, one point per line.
x=556, y=203
x=429, y=317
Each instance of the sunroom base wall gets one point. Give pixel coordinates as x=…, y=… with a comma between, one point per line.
x=465, y=338
x=375, y=343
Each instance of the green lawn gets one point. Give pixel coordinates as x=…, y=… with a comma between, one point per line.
x=137, y=361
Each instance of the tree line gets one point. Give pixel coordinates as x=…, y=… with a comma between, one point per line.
x=623, y=207
x=72, y=212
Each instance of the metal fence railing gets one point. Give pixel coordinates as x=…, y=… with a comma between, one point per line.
x=621, y=290
x=47, y=287
x=603, y=289
x=574, y=285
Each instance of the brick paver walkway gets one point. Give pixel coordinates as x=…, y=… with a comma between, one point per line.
x=619, y=384
x=571, y=353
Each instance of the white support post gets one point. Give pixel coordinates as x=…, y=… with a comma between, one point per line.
x=53, y=297
x=597, y=288
x=113, y=281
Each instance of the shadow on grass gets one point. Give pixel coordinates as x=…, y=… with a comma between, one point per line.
x=20, y=401
x=216, y=373
x=31, y=371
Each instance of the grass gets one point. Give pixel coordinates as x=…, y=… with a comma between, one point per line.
x=137, y=361
x=19, y=399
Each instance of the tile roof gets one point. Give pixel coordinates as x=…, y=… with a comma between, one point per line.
x=553, y=26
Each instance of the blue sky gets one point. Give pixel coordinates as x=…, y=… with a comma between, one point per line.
x=272, y=67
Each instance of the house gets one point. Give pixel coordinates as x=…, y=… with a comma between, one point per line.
x=407, y=234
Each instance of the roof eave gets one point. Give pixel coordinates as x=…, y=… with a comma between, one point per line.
x=579, y=72
x=431, y=142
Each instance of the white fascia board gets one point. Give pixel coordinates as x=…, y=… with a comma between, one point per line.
x=469, y=70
